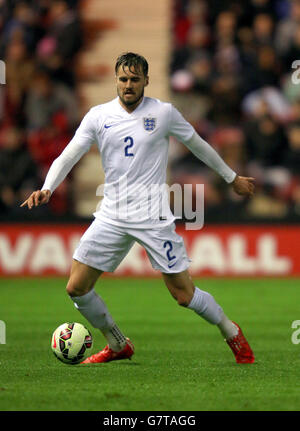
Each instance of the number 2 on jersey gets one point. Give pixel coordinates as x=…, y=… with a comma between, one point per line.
x=127, y=153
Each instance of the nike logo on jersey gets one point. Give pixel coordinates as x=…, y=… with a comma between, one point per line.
x=171, y=266
x=107, y=126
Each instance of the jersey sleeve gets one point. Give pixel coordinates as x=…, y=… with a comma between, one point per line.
x=179, y=127
x=210, y=157
x=86, y=132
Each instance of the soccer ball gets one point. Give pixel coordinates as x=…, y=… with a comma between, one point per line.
x=71, y=343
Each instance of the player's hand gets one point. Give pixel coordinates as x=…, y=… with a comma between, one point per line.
x=243, y=186
x=39, y=197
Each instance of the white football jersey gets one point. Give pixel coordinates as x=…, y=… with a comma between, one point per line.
x=134, y=152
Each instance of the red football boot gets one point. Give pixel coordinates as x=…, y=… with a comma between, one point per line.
x=107, y=355
x=240, y=347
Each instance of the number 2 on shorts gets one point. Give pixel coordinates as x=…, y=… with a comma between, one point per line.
x=170, y=248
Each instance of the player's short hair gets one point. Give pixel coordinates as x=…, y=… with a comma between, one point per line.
x=133, y=62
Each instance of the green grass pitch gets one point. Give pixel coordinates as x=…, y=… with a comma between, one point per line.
x=181, y=362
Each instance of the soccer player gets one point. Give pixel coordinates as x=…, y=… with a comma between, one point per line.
x=131, y=133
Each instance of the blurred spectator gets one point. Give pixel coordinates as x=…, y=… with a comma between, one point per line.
x=293, y=51
x=198, y=39
x=265, y=141
x=45, y=99
x=270, y=97
x=286, y=28
x=266, y=71
x=225, y=29
x=57, y=50
x=225, y=88
x=196, y=13
x=22, y=25
x=263, y=27
x=65, y=29
x=20, y=70
x=230, y=144
x=47, y=143
x=200, y=68
x=18, y=172
x=225, y=106
x=291, y=157
x=262, y=6
x=295, y=111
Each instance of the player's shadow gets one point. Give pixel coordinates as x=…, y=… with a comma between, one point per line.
x=126, y=364
x=129, y=363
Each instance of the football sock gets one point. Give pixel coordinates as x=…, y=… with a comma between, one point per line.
x=93, y=308
x=204, y=304
x=227, y=327
x=116, y=340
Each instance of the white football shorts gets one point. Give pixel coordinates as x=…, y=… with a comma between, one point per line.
x=104, y=246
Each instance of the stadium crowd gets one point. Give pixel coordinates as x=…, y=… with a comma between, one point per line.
x=39, y=43
x=230, y=75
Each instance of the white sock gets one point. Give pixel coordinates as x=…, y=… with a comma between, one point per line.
x=116, y=340
x=204, y=304
x=227, y=327
x=93, y=308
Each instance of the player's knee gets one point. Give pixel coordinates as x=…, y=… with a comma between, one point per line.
x=71, y=288
x=183, y=299
x=75, y=288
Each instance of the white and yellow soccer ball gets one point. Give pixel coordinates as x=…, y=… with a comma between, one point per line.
x=71, y=343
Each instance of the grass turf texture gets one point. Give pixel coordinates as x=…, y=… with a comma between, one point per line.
x=181, y=362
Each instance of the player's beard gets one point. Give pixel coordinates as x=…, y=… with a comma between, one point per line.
x=131, y=102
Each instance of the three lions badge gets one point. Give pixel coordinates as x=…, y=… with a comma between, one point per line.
x=149, y=124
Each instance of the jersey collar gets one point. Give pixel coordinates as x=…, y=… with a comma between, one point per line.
x=133, y=113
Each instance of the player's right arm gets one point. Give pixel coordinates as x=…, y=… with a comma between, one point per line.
x=77, y=147
x=39, y=197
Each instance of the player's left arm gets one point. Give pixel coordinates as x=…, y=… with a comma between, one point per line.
x=243, y=186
